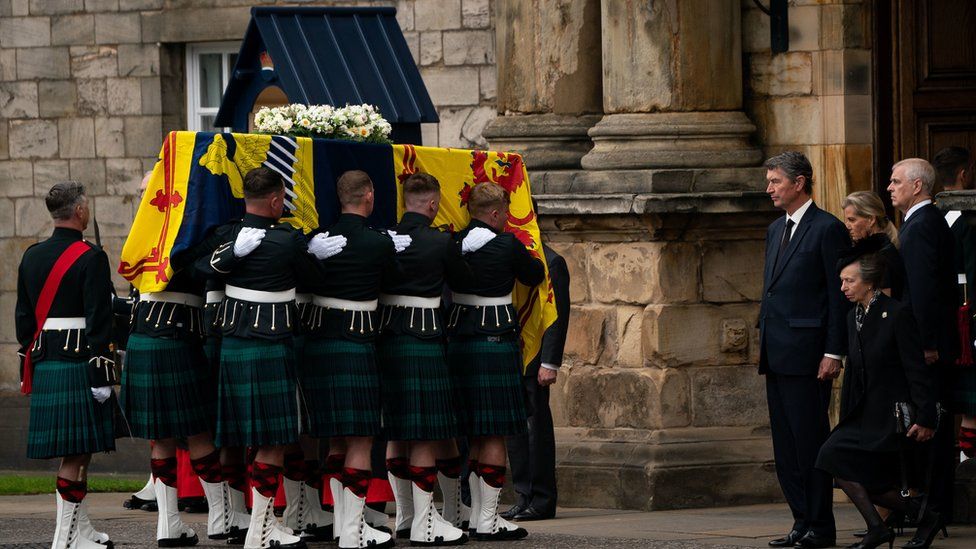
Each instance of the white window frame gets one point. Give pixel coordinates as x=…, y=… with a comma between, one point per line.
x=193, y=52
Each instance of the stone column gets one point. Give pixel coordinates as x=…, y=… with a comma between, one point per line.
x=672, y=87
x=549, y=84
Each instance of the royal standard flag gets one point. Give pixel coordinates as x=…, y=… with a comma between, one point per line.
x=197, y=185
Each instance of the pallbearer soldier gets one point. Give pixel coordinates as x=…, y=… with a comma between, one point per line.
x=168, y=393
x=340, y=366
x=64, y=327
x=484, y=356
x=418, y=405
x=260, y=261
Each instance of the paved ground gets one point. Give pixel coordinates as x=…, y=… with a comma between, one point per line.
x=28, y=522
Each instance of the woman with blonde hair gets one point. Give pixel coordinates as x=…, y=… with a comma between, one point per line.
x=866, y=220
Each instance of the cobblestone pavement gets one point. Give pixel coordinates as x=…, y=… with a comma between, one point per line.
x=27, y=522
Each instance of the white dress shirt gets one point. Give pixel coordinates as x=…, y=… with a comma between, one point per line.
x=912, y=210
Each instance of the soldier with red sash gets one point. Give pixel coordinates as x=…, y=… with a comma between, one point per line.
x=484, y=355
x=64, y=327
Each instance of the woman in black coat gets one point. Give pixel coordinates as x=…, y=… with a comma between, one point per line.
x=885, y=365
x=869, y=226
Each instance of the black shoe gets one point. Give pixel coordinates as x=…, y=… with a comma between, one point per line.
x=813, y=540
x=139, y=504
x=928, y=527
x=531, y=513
x=895, y=521
x=789, y=540
x=513, y=510
x=875, y=537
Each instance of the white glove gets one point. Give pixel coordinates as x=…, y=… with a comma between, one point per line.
x=101, y=394
x=247, y=240
x=323, y=246
x=477, y=237
x=400, y=241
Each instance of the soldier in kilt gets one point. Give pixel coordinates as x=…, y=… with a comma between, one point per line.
x=340, y=358
x=64, y=327
x=484, y=355
x=418, y=404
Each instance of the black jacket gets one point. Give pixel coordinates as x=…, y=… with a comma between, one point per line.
x=928, y=249
x=85, y=291
x=801, y=317
x=885, y=365
x=554, y=340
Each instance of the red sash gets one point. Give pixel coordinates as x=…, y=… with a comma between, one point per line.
x=46, y=299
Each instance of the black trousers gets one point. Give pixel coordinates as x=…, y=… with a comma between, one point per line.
x=532, y=456
x=799, y=424
x=939, y=454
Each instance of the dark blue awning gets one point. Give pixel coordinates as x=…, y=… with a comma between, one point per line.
x=327, y=55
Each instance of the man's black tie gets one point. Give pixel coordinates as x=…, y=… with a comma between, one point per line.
x=785, y=241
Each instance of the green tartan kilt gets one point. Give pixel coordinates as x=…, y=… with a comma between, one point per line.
x=342, y=387
x=65, y=419
x=299, y=344
x=964, y=391
x=256, y=404
x=166, y=388
x=418, y=403
x=487, y=378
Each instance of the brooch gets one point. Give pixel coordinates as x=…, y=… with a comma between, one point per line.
x=884, y=314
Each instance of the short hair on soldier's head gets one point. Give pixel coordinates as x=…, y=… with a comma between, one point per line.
x=948, y=161
x=353, y=186
x=260, y=182
x=420, y=186
x=487, y=196
x=794, y=164
x=62, y=199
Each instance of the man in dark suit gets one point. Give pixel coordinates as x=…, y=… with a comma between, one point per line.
x=532, y=456
x=928, y=249
x=802, y=342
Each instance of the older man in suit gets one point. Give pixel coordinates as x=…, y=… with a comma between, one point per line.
x=802, y=342
x=533, y=455
x=928, y=249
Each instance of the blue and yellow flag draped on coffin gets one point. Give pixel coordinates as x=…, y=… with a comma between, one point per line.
x=197, y=185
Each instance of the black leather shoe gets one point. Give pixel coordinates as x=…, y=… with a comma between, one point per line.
x=513, y=510
x=813, y=540
x=789, y=540
x=531, y=513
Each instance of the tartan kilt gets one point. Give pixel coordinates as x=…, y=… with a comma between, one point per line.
x=163, y=388
x=256, y=403
x=299, y=343
x=418, y=403
x=964, y=391
x=64, y=417
x=342, y=380
x=487, y=377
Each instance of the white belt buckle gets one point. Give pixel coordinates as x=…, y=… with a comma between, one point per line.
x=65, y=323
x=215, y=296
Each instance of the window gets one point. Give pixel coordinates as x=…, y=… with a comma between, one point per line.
x=208, y=71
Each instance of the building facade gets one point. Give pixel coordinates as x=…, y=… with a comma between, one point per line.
x=643, y=124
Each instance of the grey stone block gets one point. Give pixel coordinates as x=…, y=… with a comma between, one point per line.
x=488, y=82
x=8, y=65
x=94, y=61
x=196, y=25
x=25, y=32
x=475, y=14
x=90, y=172
x=47, y=173
x=53, y=63
x=56, y=98
x=109, y=137
x=3, y=141
x=469, y=47
x=133, y=5
x=123, y=176
x=143, y=135
x=72, y=30
x=124, y=95
x=13, y=248
x=449, y=86
x=16, y=178
x=117, y=28
x=19, y=8
x=151, y=96
x=18, y=100
x=445, y=14
x=7, y=226
x=76, y=137
x=92, y=6
x=8, y=302
x=431, y=48
x=404, y=14
x=31, y=217
x=115, y=214
x=33, y=139
x=92, y=96
x=6, y=9
x=138, y=60
x=54, y=7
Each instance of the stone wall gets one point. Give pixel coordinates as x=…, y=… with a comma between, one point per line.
x=89, y=88
x=816, y=97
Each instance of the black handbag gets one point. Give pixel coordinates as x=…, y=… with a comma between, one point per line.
x=904, y=417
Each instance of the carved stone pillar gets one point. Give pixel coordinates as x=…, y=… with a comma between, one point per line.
x=549, y=83
x=672, y=87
